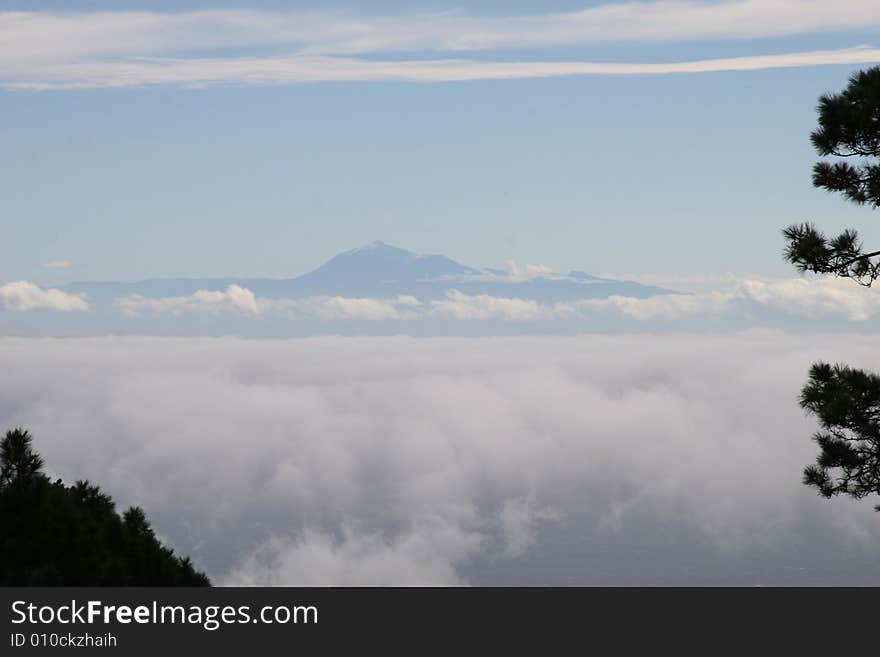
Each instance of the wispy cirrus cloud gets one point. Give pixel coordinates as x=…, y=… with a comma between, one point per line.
x=205, y=72
x=57, y=50
x=65, y=35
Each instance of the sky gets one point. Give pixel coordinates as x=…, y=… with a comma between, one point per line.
x=197, y=139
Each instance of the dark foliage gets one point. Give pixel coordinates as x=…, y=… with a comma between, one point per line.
x=849, y=130
x=845, y=400
x=57, y=535
x=847, y=404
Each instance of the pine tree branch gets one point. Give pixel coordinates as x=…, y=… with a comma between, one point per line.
x=864, y=256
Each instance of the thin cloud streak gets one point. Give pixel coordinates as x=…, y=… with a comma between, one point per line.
x=143, y=72
x=73, y=50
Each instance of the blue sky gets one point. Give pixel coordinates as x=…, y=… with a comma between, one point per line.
x=681, y=173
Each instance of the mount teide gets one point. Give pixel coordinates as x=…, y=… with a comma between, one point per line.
x=381, y=271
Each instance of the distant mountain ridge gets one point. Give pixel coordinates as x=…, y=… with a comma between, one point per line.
x=379, y=270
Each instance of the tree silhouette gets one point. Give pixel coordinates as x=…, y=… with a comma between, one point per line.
x=849, y=129
x=847, y=403
x=54, y=534
x=845, y=400
x=18, y=461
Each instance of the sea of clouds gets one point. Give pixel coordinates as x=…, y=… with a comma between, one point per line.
x=626, y=459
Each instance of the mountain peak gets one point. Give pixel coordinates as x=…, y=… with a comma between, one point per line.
x=381, y=271
x=377, y=245
x=379, y=263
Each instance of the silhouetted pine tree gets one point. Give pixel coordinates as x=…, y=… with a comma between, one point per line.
x=849, y=129
x=57, y=535
x=845, y=400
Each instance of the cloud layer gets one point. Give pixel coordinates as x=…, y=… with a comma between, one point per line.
x=589, y=460
x=754, y=299
x=53, y=50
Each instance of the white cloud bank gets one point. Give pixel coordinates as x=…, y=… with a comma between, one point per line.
x=747, y=298
x=234, y=299
x=444, y=461
x=343, y=308
x=240, y=300
x=458, y=305
x=816, y=298
x=22, y=296
x=53, y=50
